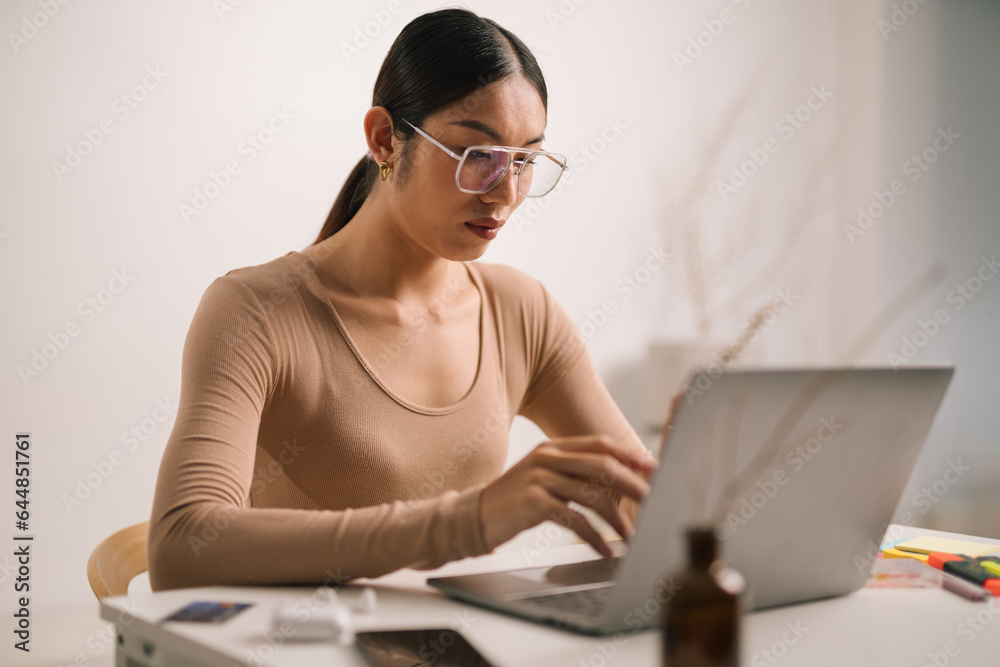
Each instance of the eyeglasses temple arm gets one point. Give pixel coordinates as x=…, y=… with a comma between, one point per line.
x=432, y=140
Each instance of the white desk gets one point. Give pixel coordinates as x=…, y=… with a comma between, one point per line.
x=870, y=627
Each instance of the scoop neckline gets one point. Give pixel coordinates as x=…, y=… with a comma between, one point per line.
x=410, y=405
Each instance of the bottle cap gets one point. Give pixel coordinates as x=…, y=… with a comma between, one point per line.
x=702, y=542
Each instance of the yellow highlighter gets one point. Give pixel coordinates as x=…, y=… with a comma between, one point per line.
x=990, y=564
x=896, y=553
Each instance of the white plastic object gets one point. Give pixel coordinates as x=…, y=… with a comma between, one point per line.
x=366, y=601
x=326, y=621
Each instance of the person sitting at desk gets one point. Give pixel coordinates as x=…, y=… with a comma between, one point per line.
x=345, y=410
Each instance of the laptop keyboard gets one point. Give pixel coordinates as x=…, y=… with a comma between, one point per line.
x=587, y=603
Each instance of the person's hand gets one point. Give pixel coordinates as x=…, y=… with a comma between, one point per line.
x=582, y=469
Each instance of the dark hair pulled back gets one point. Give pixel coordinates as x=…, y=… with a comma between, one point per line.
x=436, y=60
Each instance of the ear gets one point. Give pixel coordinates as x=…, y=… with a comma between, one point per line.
x=383, y=146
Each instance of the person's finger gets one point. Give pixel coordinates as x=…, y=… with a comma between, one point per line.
x=588, y=495
x=600, y=469
x=600, y=444
x=564, y=515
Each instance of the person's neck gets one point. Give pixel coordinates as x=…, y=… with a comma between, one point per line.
x=370, y=258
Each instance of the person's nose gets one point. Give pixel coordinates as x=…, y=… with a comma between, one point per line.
x=504, y=192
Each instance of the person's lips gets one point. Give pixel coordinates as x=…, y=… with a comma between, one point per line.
x=485, y=228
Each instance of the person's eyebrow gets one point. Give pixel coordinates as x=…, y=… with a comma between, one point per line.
x=479, y=126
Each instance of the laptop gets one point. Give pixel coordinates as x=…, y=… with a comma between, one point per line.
x=799, y=470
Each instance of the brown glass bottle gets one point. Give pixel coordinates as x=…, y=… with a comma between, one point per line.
x=701, y=620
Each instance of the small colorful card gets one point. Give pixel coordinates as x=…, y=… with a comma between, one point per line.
x=207, y=612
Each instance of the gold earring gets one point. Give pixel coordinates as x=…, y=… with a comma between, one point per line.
x=384, y=169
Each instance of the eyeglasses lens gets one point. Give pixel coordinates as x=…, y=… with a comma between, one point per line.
x=540, y=175
x=483, y=168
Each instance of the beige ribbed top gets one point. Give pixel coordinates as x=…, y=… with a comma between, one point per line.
x=291, y=461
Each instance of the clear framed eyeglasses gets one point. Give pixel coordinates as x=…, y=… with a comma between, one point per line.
x=480, y=168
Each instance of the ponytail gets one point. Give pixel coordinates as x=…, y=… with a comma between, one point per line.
x=352, y=196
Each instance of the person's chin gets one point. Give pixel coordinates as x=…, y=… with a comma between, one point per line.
x=469, y=253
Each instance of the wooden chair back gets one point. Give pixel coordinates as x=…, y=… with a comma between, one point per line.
x=117, y=560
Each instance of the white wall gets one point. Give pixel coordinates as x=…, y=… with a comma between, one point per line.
x=608, y=65
x=942, y=79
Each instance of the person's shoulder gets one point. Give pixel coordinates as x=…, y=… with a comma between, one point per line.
x=269, y=283
x=283, y=270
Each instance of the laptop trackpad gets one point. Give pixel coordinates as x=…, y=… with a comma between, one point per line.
x=563, y=578
x=535, y=581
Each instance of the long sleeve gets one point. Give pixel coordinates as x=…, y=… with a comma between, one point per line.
x=204, y=529
x=566, y=396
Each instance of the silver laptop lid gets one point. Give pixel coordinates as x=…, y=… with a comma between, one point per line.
x=800, y=469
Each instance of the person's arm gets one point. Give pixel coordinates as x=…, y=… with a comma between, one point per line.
x=568, y=397
x=202, y=532
x=594, y=457
x=580, y=401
